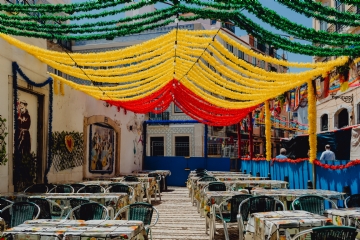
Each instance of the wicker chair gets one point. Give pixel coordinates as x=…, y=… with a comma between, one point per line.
x=141, y=212
x=311, y=203
x=253, y=205
x=64, y=188
x=37, y=188
x=18, y=212
x=122, y=188
x=330, y=232
x=89, y=211
x=46, y=205
x=352, y=201
x=91, y=189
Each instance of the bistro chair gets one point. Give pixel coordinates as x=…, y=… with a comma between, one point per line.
x=37, y=188
x=19, y=212
x=202, y=174
x=89, y=211
x=121, y=188
x=215, y=186
x=311, y=203
x=330, y=233
x=352, y=201
x=207, y=179
x=4, y=202
x=200, y=170
x=77, y=186
x=140, y=212
x=91, y=188
x=131, y=179
x=46, y=205
x=64, y=188
x=227, y=213
x=74, y=202
x=157, y=186
x=253, y=205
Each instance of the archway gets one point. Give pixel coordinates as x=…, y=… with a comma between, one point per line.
x=342, y=117
x=105, y=121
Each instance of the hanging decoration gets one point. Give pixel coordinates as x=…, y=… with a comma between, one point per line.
x=312, y=121
x=268, y=131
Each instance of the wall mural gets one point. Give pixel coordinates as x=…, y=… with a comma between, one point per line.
x=135, y=126
x=67, y=150
x=101, y=149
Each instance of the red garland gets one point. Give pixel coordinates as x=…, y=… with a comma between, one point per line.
x=337, y=167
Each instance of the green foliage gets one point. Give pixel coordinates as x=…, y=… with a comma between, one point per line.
x=25, y=173
x=3, y=134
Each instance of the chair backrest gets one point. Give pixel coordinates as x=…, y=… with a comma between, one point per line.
x=118, y=188
x=259, y=204
x=235, y=202
x=37, y=188
x=207, y=179
x=19, y=212
x=200, y=170
x=141, y=212
x=77, y=186
x=75, y=202
x=4, y=202
x=216, y=186
x=330, y=232
x=131, y=179
x=311, y=203
x=64, y=188
x=91, y=189
x=156, y=175
x=352, y=201
x=90, y=211
x=44, y=205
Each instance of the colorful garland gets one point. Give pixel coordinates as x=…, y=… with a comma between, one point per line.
x=268, y=131
x=312, y=121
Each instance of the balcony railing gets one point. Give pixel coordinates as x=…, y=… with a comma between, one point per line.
x=159, y=116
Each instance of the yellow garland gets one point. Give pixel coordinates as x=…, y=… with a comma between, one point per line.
x=56, y=88
x=312, y=121
x=268, y=131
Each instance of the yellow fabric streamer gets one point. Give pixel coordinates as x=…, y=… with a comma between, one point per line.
x=268, y=131
x=312, y=121
x=56, y=87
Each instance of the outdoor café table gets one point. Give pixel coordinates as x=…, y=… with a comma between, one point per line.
x=50, y=229
x=344, y=216
x=289, y=195
x=282, y=224
x=164, y=174
x=2, y=224
x=103, y=183
x=240, y=184
x=138, y=189
x=149, y=185
x=113, y=201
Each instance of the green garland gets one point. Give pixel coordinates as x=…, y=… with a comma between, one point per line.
x=297, y=30
x=61, y=8
x=31, y=26
x=318, y=11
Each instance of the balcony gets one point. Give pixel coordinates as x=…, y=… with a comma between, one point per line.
x=229, y=26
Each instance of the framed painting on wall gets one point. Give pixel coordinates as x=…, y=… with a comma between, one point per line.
x=101, y=149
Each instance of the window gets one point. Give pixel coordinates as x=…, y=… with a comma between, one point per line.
x=323, y=25
x=156, y=146
x=212, y=21
x=177, y=109
x=254, y=61
x=182, y=147
x=240, y=54
x=262, y=64
x=343, y=118
x=324, y=122
x=339, y=6
x=229, y=47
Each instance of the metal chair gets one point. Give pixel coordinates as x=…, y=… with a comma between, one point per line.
x=311, y=203
x=46, y=205
x=4, y=202
x=131, y=179
x=140, y=212
x=64, y=188
x=89, y=211
x=91, y=189
x=330, y=232
x=121, y=188
x=352, y=201
x=18, y=212
x=77, y=186
x=157, y=186
x=253, y=205
x=207, y=179
x=37, y=188
x=215, y=186
x=227, y=213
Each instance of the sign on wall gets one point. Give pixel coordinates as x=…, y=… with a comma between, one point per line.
x=101, y=149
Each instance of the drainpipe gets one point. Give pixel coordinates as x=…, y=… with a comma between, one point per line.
x=206, y=144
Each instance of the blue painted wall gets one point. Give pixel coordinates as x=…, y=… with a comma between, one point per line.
x=177, y=166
